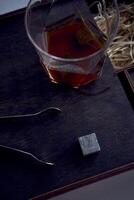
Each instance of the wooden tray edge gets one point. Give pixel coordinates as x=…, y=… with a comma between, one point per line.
x=85, y=182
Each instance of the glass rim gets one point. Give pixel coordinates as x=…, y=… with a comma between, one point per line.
x=103, y=49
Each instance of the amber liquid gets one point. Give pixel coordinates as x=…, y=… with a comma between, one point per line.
x=67, y=41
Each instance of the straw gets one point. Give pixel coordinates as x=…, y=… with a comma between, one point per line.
x=121, y=50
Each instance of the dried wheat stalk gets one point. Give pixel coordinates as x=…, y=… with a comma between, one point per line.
x=121, y=51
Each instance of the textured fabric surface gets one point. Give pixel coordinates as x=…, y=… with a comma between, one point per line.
x=25, y=88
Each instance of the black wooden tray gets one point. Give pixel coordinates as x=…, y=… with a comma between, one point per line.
x=127, y=80
x=130, y=77
x=26, y=89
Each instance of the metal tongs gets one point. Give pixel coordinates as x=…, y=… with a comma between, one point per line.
x=30, y=155
x=36, y=114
